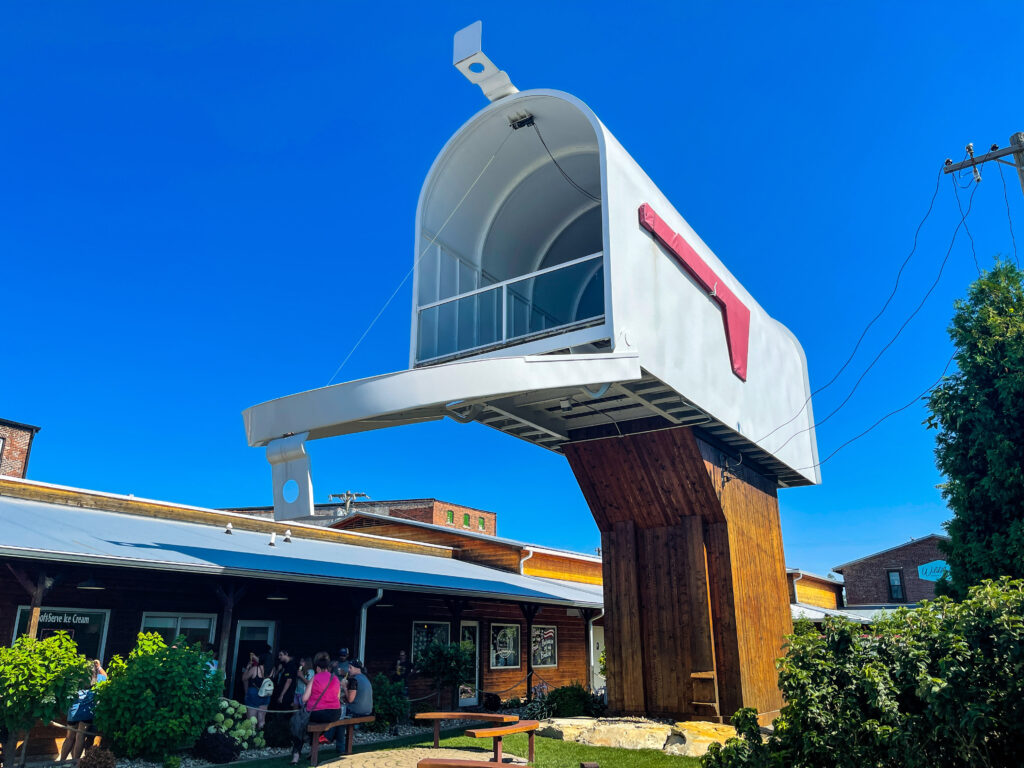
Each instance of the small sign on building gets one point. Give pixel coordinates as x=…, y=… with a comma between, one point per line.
x=932, y=571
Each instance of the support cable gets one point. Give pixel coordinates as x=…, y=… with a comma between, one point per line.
x=913, y=314
x=867, y=328
x=561, y=170
x=1006, y=200
x=420, y=257
x=891, y=413
x=974, y=253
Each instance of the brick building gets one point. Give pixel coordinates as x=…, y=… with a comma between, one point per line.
x=905, y=574
x=432, y=511
x=15, y=447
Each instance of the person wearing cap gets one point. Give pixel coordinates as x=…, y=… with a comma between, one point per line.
x=360, y=692
x=341, y=664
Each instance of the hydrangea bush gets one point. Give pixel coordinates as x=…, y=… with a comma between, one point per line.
x=231, y=721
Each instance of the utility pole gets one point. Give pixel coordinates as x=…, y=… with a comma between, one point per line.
x=1016, y=149
x=348, y=497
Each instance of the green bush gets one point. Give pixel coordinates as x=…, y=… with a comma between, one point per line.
x=216, y=747
x=159, y=700
x=38, y=681
x=449, y=664
x=514, y=703
x=569, y=701
x=390, y=706
x=537, y=709
x=941, y=685
x=172, y=761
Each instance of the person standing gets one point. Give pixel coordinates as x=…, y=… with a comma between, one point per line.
x=323, y=702
x=400, y=672
x=252, y=679
x=360, y=692
x=81, y=716
x=340, y=666
x=284, y=686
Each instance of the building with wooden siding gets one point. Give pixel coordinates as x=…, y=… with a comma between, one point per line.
x=807, y=588
x=105, y=567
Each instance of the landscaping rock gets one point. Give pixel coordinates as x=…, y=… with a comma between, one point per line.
x=692, y=738
x=565, y=728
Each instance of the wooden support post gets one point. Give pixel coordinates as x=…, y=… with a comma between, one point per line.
x=36, y=589
x=696, y=604
x=456, y=606
x=529, y=613
x=1017, y=142
x=229, y=599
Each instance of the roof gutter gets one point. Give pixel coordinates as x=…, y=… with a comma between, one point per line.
x=524, y=559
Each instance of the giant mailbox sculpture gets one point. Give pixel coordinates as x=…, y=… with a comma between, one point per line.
x=559, y=297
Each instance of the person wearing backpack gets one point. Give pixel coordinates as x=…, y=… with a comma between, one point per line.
x=257, y=697
x=321, y=703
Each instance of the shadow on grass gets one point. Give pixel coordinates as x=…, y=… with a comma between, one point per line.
x=550, y=753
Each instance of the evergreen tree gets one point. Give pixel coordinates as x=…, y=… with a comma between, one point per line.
x=979, y=415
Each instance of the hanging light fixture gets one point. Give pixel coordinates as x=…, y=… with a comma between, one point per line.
x=91, y=584
x=277, y=594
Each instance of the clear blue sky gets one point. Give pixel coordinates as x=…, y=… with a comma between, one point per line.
x=203, y=204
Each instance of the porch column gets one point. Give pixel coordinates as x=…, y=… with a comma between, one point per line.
x=229, y=599
x=529, y=612
x=36, y=589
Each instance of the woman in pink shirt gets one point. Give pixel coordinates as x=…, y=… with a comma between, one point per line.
x=322, y=699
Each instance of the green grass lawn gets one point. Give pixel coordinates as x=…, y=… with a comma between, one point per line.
x=550, y=753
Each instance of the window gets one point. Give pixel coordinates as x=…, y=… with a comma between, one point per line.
x=426, y=632
x=481, y=524
x=196, y=627
x=449, y=517
x=88, y=628
x=896, y=594
x=465, y=519
x=504, y=646
x=544, y=646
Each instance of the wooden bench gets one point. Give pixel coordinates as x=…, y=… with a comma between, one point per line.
x=449, y=762
x=317, y=728
x=523, y=726
x=486, y=717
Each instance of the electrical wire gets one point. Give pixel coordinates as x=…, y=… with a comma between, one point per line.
x=878, y=357
x=1006, y=200
x=890, y=413
x=420, y=257
x=974, y=253
x=896, y=285
x=561, y=170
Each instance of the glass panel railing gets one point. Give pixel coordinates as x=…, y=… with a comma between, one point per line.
x=552, y=299
x=461, y=323
x=545, y=300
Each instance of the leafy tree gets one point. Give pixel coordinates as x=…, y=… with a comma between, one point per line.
x=936, y=686
x=159, y=701
x=38, y=681
x=450, y=664
x=979, y=415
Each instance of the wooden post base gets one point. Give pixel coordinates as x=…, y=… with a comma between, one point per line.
x=696, y=602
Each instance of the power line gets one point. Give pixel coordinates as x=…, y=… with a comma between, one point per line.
x=864, y=333
x=420, y=257
x=974, y=253
x=561, y=170
x=1006, y=200
x=878, y=357
x=890, y=413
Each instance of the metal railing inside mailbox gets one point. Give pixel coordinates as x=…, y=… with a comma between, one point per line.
x=550, y=299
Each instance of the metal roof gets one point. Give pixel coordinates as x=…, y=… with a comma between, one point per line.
x=815, y=613
x=463, y=532
x=62, y=533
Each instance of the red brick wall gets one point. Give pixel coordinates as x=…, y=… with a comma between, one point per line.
x=867, y=580
x=16, y=442
x=475, y=515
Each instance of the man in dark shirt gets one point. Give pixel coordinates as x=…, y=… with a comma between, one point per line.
x=284, y=689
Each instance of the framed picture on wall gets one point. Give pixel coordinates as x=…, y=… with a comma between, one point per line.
x=544, y=646
x=504, y=646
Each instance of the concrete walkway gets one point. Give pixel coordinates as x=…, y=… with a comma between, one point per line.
x=407, y=758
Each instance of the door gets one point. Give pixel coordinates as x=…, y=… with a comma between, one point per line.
x=252, y=636
x=597, y=679
x=469, y=693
